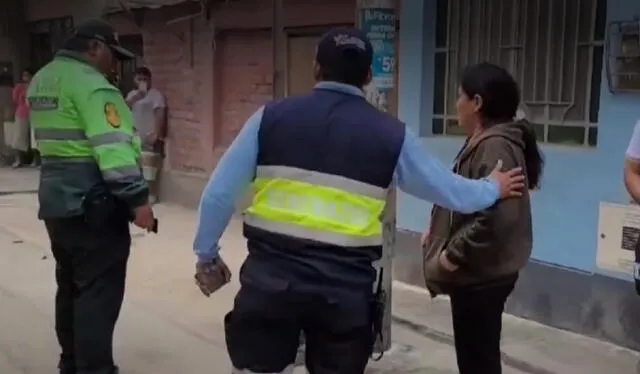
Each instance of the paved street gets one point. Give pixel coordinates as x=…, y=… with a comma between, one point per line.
x=167, y=327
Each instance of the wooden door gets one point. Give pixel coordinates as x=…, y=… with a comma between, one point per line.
x=301, y=51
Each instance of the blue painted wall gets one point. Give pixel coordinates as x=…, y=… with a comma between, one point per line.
x=576, y=180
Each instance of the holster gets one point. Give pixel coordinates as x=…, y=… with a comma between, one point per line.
x=377, y=314
x=101, y=209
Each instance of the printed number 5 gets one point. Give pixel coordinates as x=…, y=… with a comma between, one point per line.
x=388, y=64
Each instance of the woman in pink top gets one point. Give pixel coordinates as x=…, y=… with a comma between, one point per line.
x=17, y=138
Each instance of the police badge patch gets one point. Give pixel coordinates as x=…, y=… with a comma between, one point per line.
x=111, y=114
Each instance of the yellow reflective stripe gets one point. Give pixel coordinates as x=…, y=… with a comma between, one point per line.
x=302, y=232
x=321, y=179
x=319, y=209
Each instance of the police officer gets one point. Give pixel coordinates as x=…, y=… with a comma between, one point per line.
x=321, y=165
x=90, y=186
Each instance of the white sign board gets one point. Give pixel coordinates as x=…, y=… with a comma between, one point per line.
x=618, y=232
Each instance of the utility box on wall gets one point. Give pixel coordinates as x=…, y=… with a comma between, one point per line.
x=618, y=232
x=623, y=56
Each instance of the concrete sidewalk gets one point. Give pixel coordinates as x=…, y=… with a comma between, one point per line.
x=21, y=180
x=166, y=326
x=165, y=314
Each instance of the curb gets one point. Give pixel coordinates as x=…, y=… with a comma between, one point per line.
x=445, y=338
x=18, y=192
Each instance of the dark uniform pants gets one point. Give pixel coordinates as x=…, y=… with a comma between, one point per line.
x=477, y=326
x=263, y=332
x=91, y=266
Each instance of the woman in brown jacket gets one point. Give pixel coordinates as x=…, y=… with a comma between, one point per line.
x=476, y=258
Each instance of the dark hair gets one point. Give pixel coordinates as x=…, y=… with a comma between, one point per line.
x=30, y=71
x=500, y=101
x=351, y=71
x=144, y=71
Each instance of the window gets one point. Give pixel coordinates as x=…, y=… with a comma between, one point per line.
x=554, y=49
x=127, y=69
x=46, y=37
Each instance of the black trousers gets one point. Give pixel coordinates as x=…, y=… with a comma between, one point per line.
x=477, y=326
x=263, y=333
x=91, y=265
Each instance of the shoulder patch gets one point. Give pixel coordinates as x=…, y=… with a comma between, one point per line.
x=111, y=115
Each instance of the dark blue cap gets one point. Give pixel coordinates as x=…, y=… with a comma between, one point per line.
x=345, y=48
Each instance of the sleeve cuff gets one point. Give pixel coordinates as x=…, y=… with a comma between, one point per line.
x=206, y=256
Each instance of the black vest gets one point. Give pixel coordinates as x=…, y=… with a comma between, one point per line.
x=331, y=132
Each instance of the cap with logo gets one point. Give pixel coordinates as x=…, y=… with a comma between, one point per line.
x=345, y=47
x=100, y=30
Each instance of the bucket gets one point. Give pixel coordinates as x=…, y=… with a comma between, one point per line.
x=150, y=161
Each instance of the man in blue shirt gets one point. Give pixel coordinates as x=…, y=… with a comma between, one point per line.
x=322, y=165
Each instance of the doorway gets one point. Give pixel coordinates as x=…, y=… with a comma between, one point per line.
x=301, y=50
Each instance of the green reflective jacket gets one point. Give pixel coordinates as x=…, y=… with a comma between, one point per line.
x=86, y=138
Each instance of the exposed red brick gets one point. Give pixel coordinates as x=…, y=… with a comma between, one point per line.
x=179, y=55
x=245, y=79
x=297, y=13
x=212, y=84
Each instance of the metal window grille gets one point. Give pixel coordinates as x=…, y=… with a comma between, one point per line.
x=554, y=49
x=126, y=69
x=46, y=37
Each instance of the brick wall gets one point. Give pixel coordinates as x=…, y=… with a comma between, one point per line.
x=180, y=56
x=216, y=77
x=213, y=84
x=244, y=75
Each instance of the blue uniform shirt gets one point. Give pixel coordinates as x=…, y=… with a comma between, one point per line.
x=417, y=173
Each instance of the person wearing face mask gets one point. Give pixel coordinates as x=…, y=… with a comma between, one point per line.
x=148, y=106
x=91, y=185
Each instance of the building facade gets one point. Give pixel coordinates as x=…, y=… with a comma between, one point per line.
x=214, y=60
x=216, y=67
x=557, y=52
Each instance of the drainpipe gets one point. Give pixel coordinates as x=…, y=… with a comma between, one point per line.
x=378, y=19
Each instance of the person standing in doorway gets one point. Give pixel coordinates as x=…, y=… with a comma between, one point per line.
x=149, y=112
x=476, y=258
x=18, y=137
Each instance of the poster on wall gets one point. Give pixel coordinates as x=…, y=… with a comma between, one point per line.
x=618, y=232
x=380, y=26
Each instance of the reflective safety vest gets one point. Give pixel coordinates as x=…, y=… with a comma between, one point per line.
x=325, y=163
x=85, y=135
x=312, y=205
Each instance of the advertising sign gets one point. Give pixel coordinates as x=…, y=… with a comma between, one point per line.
x=380, y=26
